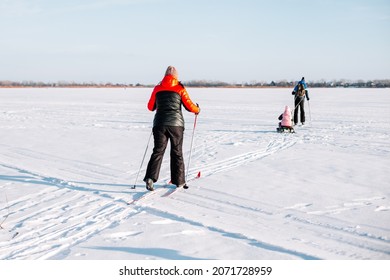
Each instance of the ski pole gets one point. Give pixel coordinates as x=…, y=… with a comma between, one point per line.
x=309, y=110
x=143, y=158
x=297, y=104
x=192, y=141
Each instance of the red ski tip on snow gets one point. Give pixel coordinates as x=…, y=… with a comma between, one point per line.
x=198, y=176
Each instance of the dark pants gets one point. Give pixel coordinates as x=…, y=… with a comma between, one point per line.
x=299, y=104
x=161, y=136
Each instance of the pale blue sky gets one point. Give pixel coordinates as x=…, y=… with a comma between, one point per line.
x=134, y=41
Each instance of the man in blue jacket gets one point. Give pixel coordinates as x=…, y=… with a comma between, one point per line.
x=299, y=92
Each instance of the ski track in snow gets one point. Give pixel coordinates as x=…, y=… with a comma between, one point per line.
x=274, y=146
x=65, y=212
x=57, y=220
x=269, y=219
x=49, y=230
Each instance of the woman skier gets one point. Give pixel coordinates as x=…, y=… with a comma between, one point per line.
x=167, y=99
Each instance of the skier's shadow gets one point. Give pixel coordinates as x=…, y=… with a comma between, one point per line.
x=163, y=253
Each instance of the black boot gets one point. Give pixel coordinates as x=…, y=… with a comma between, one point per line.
x=149, y=184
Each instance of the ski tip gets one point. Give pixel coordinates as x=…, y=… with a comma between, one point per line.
x=198, y=176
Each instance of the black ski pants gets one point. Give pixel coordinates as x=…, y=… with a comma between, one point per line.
x=161, y=136
x=299, y=105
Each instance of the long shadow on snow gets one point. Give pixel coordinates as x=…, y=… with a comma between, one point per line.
x=51, y=181
x=23, y=179
x=240, y=236
x=154, y=252
x=35, y=178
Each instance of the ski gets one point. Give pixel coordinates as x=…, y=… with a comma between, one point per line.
x=160, y=189
x=148, y=194
x=285, y=130
x=171, y=191
x=185, y=187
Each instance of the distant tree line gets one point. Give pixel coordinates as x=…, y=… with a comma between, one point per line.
x=285, y=83
x=63, y=84
x=207, y=83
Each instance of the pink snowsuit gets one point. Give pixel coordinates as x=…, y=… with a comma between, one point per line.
x=286, y=119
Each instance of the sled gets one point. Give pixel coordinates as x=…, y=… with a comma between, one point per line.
x=285, y=130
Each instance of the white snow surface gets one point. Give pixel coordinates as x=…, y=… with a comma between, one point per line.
x=69, y=157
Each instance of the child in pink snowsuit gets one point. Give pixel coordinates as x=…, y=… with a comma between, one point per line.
x=285, y=118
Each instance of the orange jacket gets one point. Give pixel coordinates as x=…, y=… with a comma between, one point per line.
x=170, y=83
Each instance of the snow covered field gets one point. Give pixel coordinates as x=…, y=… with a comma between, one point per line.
x=68, y=159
